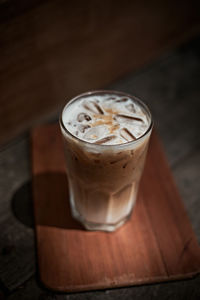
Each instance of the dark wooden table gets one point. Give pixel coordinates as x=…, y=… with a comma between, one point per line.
x=171, y=87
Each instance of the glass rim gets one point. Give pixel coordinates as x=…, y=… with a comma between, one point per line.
x=110, y=92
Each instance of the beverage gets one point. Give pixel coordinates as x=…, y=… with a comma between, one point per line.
x=105, y=136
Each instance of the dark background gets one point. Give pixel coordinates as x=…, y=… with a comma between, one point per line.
x=53, y=50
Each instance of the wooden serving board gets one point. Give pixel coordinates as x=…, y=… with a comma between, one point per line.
x=156, y=244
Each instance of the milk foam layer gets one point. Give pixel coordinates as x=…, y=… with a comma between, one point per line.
x=105, y=119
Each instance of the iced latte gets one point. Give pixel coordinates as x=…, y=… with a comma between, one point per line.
x=106, y=135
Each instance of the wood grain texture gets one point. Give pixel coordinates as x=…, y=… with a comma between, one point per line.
x=58, y=49
x=157, y=244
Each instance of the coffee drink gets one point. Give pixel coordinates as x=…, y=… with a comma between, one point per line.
x=106, y=136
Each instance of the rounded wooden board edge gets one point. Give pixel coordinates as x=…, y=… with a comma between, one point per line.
x=114, y=284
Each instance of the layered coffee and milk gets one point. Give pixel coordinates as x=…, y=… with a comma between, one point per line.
x=106, y=137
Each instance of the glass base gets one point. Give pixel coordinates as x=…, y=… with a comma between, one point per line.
x=109, y=227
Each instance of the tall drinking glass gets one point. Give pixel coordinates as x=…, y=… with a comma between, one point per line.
x=104, y=167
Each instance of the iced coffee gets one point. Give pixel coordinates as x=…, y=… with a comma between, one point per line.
x=106, y=135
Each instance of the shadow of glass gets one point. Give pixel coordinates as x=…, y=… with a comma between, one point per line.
x=50, y=194
x=22, y=205
x=51, y=201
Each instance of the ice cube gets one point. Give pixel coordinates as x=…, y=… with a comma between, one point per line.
x=93, y=107
x=96, y=133
x=106, y=139
x=130, y=107
x=127, y=135
x=83, y=117
x=127, y=118
x=122, y=100
x=83, y=128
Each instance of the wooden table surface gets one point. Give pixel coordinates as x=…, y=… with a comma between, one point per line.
x=171, y=88
x=55, y=50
